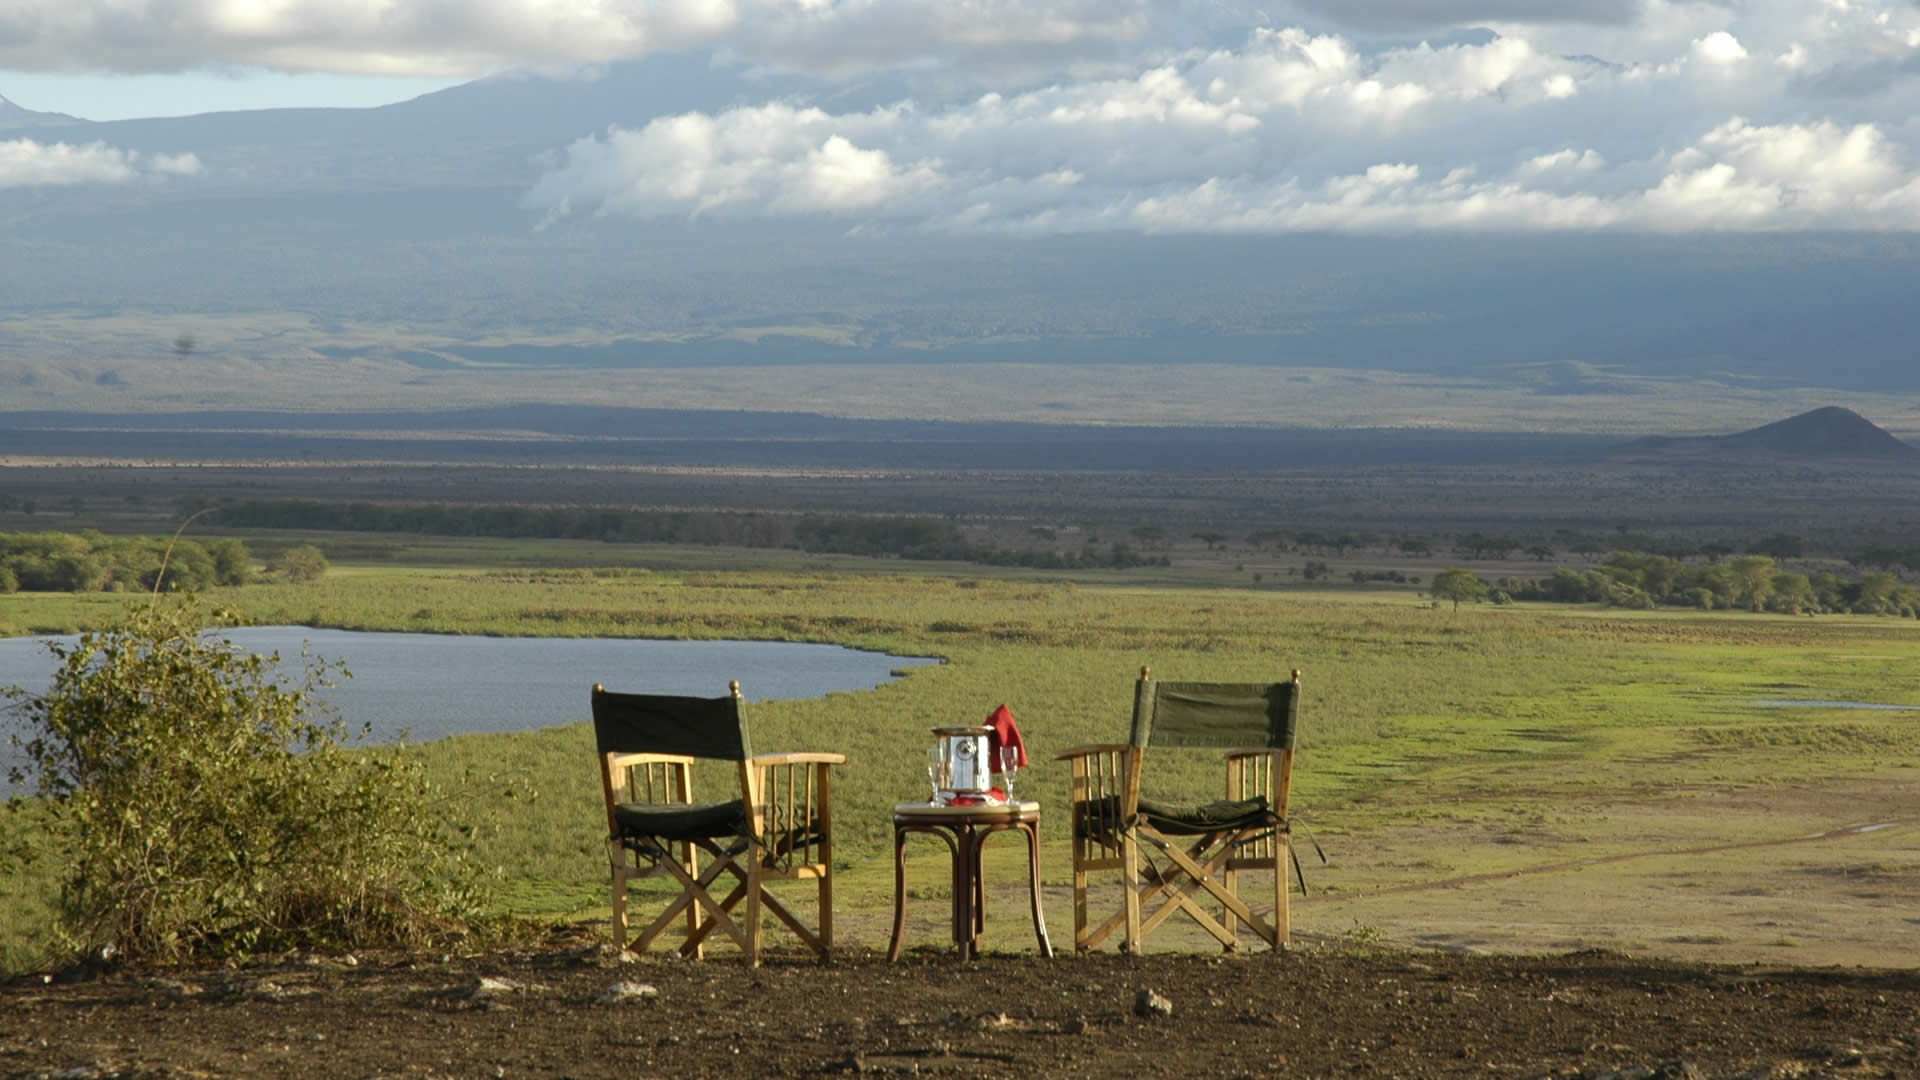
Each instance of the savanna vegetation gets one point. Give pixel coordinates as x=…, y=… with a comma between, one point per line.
x=91, y=561
x=919, y=538
x=1747, y=582
x=1410, y=713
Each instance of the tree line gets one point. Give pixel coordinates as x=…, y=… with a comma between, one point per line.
x=1748, y=582
x=919, y=538
x=94, y=562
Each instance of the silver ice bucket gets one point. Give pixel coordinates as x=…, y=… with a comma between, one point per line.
x=964, y=768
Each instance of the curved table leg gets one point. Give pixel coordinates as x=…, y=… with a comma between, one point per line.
x=900, y=879
x=979, y=885
x=965, y=938
x=1033, y=887
x=966, y=843
x=899, y=892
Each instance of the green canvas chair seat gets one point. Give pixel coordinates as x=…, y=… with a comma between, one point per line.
x=647, y=827
x=1178, y=856
x=1191, y=819
x=641, y=822
x=778, y=829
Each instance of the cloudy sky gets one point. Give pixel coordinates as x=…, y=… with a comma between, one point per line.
x=1049, y=116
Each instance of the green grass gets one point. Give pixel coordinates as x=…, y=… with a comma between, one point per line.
x=1409, y=713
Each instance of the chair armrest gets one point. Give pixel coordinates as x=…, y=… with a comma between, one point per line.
x=1253, y=751
x=1090, y=749
x=790, y=807
x=655, y=779
x=800, y=758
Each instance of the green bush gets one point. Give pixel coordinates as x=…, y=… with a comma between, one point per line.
x=201, y=805
x=93, y=562
x=303, y=563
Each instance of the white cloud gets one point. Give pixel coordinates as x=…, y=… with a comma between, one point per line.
x=177, y=164
x=1024, y=115
x=1302, y=130
x=473, y=37
x=1417, y=14
x=773, y=159
x=1786, y=176
x=26, y=163
x=1720, y=47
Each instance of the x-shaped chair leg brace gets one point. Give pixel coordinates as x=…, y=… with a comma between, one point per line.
x=730, y=862
x=1188, y=875
x=695, y=890
x=1180, y=881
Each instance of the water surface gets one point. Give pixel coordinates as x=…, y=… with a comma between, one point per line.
x=428, y=686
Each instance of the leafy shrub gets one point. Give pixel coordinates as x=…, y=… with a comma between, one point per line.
x=92, y=562
x=204, y=806
x=303, y=563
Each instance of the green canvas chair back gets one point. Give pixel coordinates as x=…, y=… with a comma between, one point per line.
x=1210, y=714
x=713, y=728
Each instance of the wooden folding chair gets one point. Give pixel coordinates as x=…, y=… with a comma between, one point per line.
x=1185, y=858
x=779, y=828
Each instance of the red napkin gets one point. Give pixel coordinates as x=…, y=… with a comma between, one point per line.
x=1005, y=733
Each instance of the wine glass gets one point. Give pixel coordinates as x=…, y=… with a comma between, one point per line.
x=1009, y=764
x=935, y=765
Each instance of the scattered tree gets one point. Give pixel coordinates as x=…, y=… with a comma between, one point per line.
x=303, y=563
x=1456, y=584
x=1753, y=574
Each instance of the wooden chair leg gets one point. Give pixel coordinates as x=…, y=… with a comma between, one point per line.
x=1130, y=871
x=1232, y=880
x=691, y=857
x=754, y=885
x=619, y=909
x=1282, y=914
x=826, y=914
x=1079, y=910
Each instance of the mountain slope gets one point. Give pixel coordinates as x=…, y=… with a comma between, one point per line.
x=15, y=118
x=1826, y=433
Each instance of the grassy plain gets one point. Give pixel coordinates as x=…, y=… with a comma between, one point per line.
x=1486, y=722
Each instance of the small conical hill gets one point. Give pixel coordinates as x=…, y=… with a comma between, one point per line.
x=1823, y=434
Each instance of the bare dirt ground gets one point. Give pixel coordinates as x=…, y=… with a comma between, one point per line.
x=557, y=1013
x=1668, y=953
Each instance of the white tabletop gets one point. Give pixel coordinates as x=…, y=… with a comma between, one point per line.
x=922, y=809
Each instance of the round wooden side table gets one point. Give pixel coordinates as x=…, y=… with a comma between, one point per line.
x=965, y=830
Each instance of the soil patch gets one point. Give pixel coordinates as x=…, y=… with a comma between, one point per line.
x=571, y=1010
x=1645, y=938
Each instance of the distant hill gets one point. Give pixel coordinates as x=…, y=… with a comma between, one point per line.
x=15, y=118
x=1827, y=433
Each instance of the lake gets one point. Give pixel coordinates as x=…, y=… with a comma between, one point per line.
x=428, y=686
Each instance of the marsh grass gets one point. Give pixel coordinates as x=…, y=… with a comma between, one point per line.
x=1408, y=713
